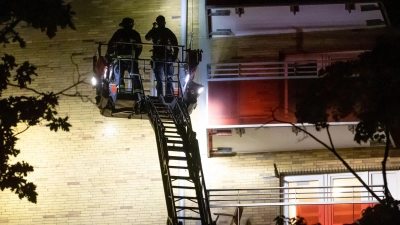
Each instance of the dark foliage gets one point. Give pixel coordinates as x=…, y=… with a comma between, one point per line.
x=381, y=214
x=36, y=109
x=367, y=88
x=282, y=220
x=46, y=15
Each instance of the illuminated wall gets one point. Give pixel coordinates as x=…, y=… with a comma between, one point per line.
x=105, y=170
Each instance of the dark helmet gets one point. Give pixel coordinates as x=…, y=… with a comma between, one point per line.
x=126, y=22
x=160, y=19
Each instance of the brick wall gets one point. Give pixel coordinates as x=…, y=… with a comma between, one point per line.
x=106, y=170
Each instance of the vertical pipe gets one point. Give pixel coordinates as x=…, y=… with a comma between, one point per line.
x=181, y=74
x=184, y=18
x=286, y=90
x=205, y=45
x=183, y=34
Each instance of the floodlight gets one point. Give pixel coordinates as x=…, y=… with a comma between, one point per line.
x=94, y=81
x=192, y=92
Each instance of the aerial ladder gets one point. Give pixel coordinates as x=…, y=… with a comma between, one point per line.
x=183, y=180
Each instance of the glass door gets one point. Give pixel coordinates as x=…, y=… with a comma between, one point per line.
x=301, y=194
x=393, y=179
x=345, y=193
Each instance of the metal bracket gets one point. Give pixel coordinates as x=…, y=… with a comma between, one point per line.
x=239, y=11
x=226, y=12
x=226, y=32
x=352, y=128
x=296, y=130
x=240, y=131
x=222, y=32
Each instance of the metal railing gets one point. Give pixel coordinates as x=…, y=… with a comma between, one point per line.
x=145, y=62
x=285, y=196
x=304, y=69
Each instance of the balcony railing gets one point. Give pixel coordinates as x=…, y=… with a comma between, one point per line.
x=304, y=69
x=250, y=90
x=285, y=196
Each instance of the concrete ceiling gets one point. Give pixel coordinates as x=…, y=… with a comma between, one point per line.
x=269, y=139
x=287, y=19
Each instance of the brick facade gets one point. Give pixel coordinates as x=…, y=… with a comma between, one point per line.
x=106, y=170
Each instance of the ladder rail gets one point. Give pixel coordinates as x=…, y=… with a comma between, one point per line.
x=159, y=130
x=189, y=137
x=170, y=113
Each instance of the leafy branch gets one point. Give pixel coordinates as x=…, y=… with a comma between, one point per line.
x=47, y=16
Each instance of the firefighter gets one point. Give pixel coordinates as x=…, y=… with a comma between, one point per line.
x=117, y=50
x=163, y=55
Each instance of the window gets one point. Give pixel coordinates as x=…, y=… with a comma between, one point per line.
x=334, y=199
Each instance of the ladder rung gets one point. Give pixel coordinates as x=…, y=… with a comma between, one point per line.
x=167, y=122
x=178, y=167
x=185, y=197
x=171, y=132
x=187, y=207
x=183, y=187
x=188, y=218
x=180, y=178
x=177, y=158
x=176, y=149
x=163, y=116
x=169, y=136
x=163, y=112
x=174, y=142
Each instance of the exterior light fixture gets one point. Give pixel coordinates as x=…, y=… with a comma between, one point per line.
x=350, y=6
x=294, y=9
x=192, y=92
x=94, y=81
x=239, y=11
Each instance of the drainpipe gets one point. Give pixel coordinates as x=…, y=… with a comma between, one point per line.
x=183, y=41
x=184, y=15
x=182, y=74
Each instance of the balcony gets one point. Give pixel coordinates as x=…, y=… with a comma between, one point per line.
x=324, y=204
x=244, y=94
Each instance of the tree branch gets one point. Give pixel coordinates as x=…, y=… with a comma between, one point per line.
x=331, y=149
x=385, y=157
x=84, y=98
x=26, y=128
